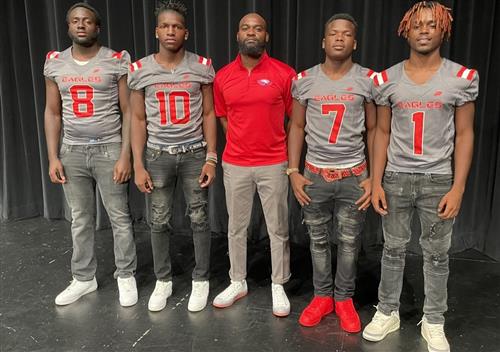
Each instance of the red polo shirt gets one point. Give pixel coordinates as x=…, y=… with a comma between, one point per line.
x=255, y=104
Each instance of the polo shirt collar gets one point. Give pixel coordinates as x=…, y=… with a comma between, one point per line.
x=263, y=58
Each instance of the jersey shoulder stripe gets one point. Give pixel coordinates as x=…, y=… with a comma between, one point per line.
x=134, y=66
x=52, y=54
x=117, y=54
x=466, y=73
x=300, y=75
x=379, y=78
x=204, y=61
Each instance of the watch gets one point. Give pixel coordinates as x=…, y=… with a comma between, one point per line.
x=290, y=171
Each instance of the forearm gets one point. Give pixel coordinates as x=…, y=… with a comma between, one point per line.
x=379, y=146
x=52, y=126
x=126, y=134
x=295, y=144
x=464, y=147
x=210, y=131
x=137, y=141
x=370, y=140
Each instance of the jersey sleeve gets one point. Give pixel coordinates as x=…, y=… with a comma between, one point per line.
x=135, y=79
x=219, y=102
x=209, y=74
x=366, y=82
x=49, y=66
x=380, y=82
x=123, y=63
x=471, y=89
x=299, y=89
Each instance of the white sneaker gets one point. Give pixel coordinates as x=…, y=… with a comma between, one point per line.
x=158, y=299
x=76, y=290
x=199, y=296
x=128, y=291
x=281, y=304
x=435, y=337
x=381, y=325
x=232, y=293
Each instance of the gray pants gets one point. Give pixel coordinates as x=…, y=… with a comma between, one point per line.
x=164, y=170
x=271, y=183
x=84, y=167
x=407, y=194
x=349, y=224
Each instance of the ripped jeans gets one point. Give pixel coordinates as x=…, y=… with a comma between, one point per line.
x=165, y=171
x=349, y=220
x=406, y=194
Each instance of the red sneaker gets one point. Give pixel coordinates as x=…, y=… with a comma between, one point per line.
x=349, y=318
x=317, y=309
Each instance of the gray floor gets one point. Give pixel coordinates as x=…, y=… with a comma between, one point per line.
x=34, y=267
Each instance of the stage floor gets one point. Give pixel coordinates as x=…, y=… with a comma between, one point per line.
x=34, y=267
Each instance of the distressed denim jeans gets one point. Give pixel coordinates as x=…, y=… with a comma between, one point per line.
x=349, y=220
x=84, y=167
x=165, y=170
x=409, y=194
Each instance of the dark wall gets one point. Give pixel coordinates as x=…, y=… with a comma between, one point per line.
x=31, y=28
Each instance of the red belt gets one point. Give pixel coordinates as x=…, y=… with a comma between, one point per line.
x=331, y=175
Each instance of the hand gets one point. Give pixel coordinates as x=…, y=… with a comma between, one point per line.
x=56, y=172
x=122, y=170
x=143, y=181
x=364, y=200
x=298, y=182
x=207, y=175
x=450, y=204
x=378, y=200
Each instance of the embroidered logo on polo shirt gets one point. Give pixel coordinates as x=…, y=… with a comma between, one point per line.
x=264, y=82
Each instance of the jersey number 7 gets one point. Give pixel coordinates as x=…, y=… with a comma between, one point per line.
x=339, y=110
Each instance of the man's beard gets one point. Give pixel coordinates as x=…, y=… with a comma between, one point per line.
x=253, y=50
x=87, y=42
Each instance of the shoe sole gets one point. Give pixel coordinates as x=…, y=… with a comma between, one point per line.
x=317, y=322
x=90, y=290
x=377, y=339
x=280, y=315
x=128, y=304
x=241, y=295
x=429, y=348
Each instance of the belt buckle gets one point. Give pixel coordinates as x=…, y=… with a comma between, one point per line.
x=331, y=175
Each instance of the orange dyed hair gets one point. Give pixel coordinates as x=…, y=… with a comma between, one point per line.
x=441, y=14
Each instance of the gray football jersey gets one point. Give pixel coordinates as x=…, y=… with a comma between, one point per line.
x=423, y=123
x=335, y=114
x=89, y=94
x=173, y=99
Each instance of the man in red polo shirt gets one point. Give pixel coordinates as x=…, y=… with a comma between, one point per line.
x=252, y=95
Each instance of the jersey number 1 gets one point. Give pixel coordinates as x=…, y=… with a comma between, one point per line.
x=172, y=107
x=339, y=110
x=418, y=132
x=82, y=96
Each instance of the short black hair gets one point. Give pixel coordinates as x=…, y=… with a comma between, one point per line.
x=342, y=16
x=171, y=5
x=88, y=7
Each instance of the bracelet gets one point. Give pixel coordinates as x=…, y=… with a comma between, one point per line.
x=290, y=171
x=211, y=163
x=211, y=156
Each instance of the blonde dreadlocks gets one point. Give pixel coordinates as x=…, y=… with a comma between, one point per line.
x=441, y=14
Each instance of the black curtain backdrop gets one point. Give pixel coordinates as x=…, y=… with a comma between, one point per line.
x=31, y=28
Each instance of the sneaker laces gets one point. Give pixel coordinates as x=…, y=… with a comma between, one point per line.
x=197, y=290
x=279, y=295
x=379, y=318
x=160, y=288
x=127, y=284
x=436, y=331
x=231, y=290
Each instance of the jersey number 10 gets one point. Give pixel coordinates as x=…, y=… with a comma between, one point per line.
x=172, y=97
